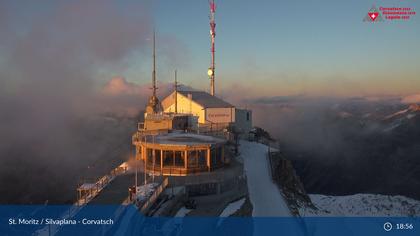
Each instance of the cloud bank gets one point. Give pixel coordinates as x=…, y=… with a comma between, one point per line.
x=124, y=98
x=414, y=98
x=50, y=58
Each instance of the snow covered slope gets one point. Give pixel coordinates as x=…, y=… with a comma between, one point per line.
x=363, y=205
x=232, y=208
x=265, y=196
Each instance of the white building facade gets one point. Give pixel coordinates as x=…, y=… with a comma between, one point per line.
x=210, y=110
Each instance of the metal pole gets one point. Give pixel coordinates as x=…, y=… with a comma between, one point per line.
x=145, y=159
x=153, y=156
x=136, y=176
x=176, y=94
x=170, y=174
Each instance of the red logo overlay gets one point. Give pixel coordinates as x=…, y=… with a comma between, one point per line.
x=397, y=13
x=373, y=15
x=389, y=13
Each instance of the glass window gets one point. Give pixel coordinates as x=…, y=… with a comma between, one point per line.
x=213, y=155
x=202, y=160
x=157, y=156
x=149, y=155
x=179, y=158
x=168, y=158
x=192, y=158
x=216, y=156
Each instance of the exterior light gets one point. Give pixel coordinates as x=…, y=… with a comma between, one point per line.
x=210, y=72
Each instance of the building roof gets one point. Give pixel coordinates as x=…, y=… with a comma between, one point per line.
x=206, y=100
x=183, y=139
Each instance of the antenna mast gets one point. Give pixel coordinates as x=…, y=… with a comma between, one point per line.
x=154, y=106
x=210, y=72
x=154, y=65
x=176, y=94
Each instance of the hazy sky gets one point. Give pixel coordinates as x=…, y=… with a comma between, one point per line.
x=266, y=47
x=299, y=46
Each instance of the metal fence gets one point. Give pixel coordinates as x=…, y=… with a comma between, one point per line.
x=146, y=206
x=99, y=185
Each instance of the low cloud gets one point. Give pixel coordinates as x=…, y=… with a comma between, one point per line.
x=124, y=98
x=414, y=98
x=118, y=86
x=50, y=63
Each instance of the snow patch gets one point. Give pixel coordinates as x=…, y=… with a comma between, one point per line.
x=396, y=114
x=232, y=208
x=145, y=191
x=182, y=212
x=391, y=127
x=362, y=205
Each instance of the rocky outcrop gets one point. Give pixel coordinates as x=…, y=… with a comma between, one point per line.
x=285, y=176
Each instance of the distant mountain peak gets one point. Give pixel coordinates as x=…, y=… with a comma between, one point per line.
x=414, y=107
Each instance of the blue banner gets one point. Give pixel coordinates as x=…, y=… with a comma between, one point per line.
x=127, y=220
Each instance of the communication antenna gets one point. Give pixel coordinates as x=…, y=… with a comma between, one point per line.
x=154, y=65
x=176, y=94
x=210, y=71
x=145, y=159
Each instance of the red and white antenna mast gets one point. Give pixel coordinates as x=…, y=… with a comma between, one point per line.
x=210, y=72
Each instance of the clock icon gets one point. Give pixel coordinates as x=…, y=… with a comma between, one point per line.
x=387, y=226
